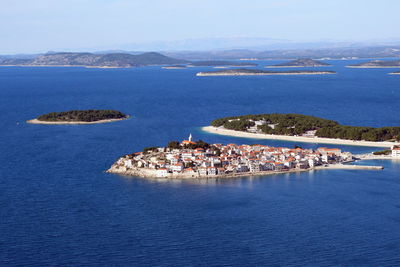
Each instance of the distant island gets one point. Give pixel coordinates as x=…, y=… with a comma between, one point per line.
x=200, y=160
x=219, y=63
x=303, y=128
x=377, y=64
x=80, y=117
x=174, y=67
x=251, y=72
x=114, y=60
x=299, y=63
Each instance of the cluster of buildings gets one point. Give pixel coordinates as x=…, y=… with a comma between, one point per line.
x=220, y=160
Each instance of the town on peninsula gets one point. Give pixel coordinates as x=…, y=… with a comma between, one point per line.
x=189, y=159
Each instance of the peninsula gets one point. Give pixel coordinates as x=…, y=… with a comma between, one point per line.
x=189, y=159
x=300, y=63
x=302, y=128
x=112, y=60
x=80, y=117
x=377, y=64
x=253, y=72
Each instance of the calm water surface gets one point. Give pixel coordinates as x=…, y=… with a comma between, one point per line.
x=58, y=207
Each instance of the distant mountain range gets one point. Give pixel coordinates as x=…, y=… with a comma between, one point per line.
x=327, y=53
x=248, y=43
x=93, y=60
x=195, y=58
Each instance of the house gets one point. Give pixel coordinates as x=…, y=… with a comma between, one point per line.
x=396, y=151
x=202, y=171
x=279, y=166
x=212, y=171
x=177, y=167
x=242, y=168
x=254, y=166
x=190, y=172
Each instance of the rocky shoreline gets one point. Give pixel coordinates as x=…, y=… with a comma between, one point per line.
x=148, y=173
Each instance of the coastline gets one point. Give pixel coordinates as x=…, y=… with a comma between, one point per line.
x=303, y=139
x=150, y=174
x=70, y=66
x=373, y=67
x=36, y=121
x=264, y=74
x=277, y=67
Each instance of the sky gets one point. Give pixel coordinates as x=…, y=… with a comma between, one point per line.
x=31, y=26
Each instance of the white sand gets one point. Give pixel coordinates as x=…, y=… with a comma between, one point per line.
x=304, y=139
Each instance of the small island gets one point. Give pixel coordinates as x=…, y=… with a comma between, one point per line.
x=377, y=64
x=300, y=63
x=200, y=160
x=80, y=117
x=303, y=128
x=174, y=67
x=253, y=72
x=220, y=63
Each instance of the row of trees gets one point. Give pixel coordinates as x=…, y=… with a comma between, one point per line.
x=360, y=133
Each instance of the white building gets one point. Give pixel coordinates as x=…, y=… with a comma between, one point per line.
x=396, y=152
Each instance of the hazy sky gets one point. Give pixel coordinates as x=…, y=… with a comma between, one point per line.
x=42, y=25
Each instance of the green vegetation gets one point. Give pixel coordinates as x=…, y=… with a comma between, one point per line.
x=360, y=133
x=297, y=124
x=383, y=152
x=150, y=149
x=198, y=144
x=82, y=116
x=174, y=145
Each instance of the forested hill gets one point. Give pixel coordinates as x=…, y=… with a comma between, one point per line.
x=297, y=124
x=95, y=60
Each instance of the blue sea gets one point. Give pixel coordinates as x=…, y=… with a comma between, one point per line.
x=59, y=207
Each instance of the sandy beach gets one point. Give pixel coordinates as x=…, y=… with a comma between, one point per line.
x=303, y=139
x=36, y=121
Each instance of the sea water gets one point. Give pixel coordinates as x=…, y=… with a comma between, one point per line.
x=59, y=207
